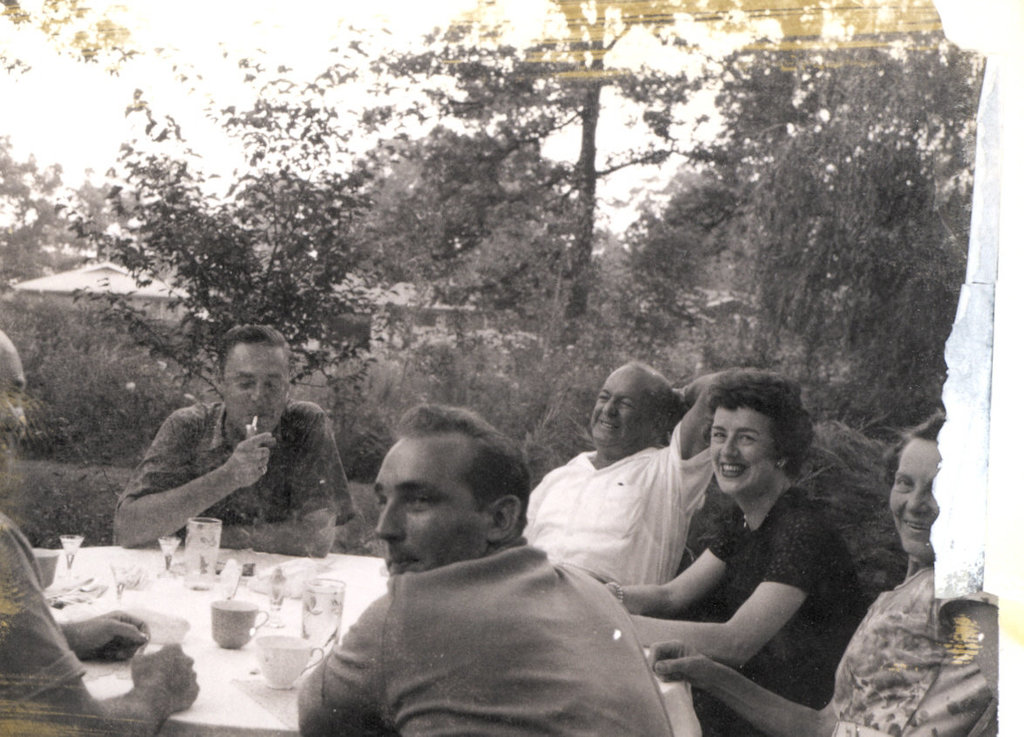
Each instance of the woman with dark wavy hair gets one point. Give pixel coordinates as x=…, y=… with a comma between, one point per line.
x=916, y=667
x=784, y=589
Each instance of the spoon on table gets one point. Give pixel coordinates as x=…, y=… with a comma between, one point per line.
x=230, y=578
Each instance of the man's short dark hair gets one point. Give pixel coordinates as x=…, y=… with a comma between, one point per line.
x=778, y=399
x=498, y=467
x=251, y=334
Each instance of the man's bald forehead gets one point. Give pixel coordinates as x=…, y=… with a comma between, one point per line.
x=653, y=380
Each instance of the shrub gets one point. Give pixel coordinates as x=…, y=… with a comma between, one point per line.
x=539, y=397
x=47, y=500
x=94, y=395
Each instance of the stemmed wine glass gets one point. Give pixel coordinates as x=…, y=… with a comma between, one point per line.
x=71, y=544
x=121, y=574
x=168, y=545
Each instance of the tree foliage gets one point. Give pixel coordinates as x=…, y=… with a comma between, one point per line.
x=470, y=217
x=72, y=27
x=673, y=257
x=276, y=248
x=35, y=237
x=863, y=222
x=31, y=230
x=850, y=172
x=523, y=99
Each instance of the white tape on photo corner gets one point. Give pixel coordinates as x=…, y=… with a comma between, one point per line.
x=962, y=484
x=961, y=488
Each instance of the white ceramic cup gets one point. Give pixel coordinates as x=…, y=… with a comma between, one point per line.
x=283, y=659
x=233, y=622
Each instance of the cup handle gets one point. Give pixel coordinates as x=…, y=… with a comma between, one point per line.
x=266, y=618
x=316, y=662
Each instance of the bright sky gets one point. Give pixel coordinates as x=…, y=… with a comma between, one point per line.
x=73, y=113
x=63, y=111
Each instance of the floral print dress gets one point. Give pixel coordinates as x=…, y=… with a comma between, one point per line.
x=909, y=670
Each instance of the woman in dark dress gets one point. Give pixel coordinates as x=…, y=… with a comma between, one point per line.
x=917, y=666
x=781, y=580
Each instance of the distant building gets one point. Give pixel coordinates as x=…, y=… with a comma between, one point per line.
x=405, y=316
x=102, y=278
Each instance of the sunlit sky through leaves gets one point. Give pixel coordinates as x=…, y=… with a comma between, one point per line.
x=71, y=113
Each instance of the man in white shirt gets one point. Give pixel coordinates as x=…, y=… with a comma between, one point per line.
x=622, y=511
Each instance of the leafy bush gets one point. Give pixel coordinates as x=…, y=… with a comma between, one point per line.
x=47, y=500
x=537, y=396
x=848, y=475
x=94, y=395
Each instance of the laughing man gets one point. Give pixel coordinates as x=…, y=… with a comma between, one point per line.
x=622, y=511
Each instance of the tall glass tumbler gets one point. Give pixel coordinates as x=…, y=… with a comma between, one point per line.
x=202, y=543
x=323, y=602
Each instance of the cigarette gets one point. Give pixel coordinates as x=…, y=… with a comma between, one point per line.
x=252, y=427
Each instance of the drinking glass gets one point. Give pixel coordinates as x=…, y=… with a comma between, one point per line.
x=323, y=601
x=71, y=544
x=278, y=583
x=168, y=545
x=124, y=576
x=202, y=543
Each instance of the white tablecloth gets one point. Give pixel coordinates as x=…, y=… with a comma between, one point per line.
x=232, y=697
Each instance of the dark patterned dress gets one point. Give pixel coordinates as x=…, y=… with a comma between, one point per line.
x=795, y=546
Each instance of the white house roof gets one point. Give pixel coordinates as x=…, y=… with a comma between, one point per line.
x=101, y=278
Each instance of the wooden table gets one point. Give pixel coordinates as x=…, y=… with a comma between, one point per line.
x=232, y=696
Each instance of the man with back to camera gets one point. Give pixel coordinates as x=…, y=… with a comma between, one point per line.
x=479, y=633
x=622, y=512
x=266, y=466
x=41, y=689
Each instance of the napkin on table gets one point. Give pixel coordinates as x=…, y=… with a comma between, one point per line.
x=283, y=704
x=79, y=591
x=296, y=573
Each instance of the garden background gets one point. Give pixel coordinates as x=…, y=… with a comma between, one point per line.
x=808, y=213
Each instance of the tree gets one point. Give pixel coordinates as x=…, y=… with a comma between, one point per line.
x=33, y=235
x=672, y=258
x=276, y=248
x=71, y=27
x=856, y=172
x=524, y=98
x=463, y=214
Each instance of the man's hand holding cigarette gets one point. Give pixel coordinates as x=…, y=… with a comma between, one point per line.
x=249, y=461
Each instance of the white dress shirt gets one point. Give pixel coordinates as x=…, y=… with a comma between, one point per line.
x=626, y=522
